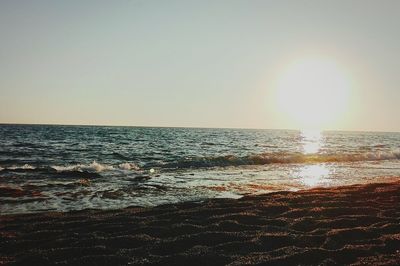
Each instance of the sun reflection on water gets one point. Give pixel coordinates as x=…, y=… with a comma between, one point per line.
x=312, y=141
x=313, y=175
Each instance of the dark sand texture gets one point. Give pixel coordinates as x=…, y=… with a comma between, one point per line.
x=357, y=224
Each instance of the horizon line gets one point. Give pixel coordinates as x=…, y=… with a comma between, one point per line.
x=193, y=127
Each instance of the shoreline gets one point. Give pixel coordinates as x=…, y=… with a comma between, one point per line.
x=355, y=224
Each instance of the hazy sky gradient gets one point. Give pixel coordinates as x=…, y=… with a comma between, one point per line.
x=189, y=63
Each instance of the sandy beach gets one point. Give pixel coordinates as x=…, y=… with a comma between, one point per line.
x=357, y=224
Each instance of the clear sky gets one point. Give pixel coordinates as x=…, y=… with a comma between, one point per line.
x=193, y=63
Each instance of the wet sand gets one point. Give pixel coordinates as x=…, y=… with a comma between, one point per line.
x=357, y=224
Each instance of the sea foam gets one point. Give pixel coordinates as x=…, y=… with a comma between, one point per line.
x=128, y=166
x=95, y=167
x=23, y=167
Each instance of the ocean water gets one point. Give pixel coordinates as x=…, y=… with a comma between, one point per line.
x=66, y=168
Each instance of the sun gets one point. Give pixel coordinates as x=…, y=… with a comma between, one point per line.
x=313, y=93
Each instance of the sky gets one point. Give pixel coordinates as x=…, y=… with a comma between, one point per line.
x=193, y=63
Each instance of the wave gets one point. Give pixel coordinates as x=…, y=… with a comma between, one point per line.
x=17, y=167
x=281, y=158
x=128, y=166
x=50, y=170
x=213, y=161
x=95, y=167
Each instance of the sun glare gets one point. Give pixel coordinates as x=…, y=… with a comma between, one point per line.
x=312, y=141
x=313, y=93
x=313, y=175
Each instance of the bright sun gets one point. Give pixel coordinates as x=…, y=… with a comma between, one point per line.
x=313, y=93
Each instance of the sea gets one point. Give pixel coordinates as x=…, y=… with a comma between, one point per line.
x=67, y=168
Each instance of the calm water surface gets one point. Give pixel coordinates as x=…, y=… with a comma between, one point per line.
x=76, y=167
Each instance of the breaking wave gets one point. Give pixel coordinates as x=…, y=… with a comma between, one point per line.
x=128, y=166
x=214, y=161
x=95, y=167
x=271, y=158
x=19, y=167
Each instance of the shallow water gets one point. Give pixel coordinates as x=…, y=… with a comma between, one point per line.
x=77, y=167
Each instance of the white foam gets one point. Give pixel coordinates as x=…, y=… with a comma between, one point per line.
x=128, y=166
x=23, y=167
x=93, y=167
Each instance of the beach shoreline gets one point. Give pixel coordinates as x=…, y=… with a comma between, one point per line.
x=356, y=224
